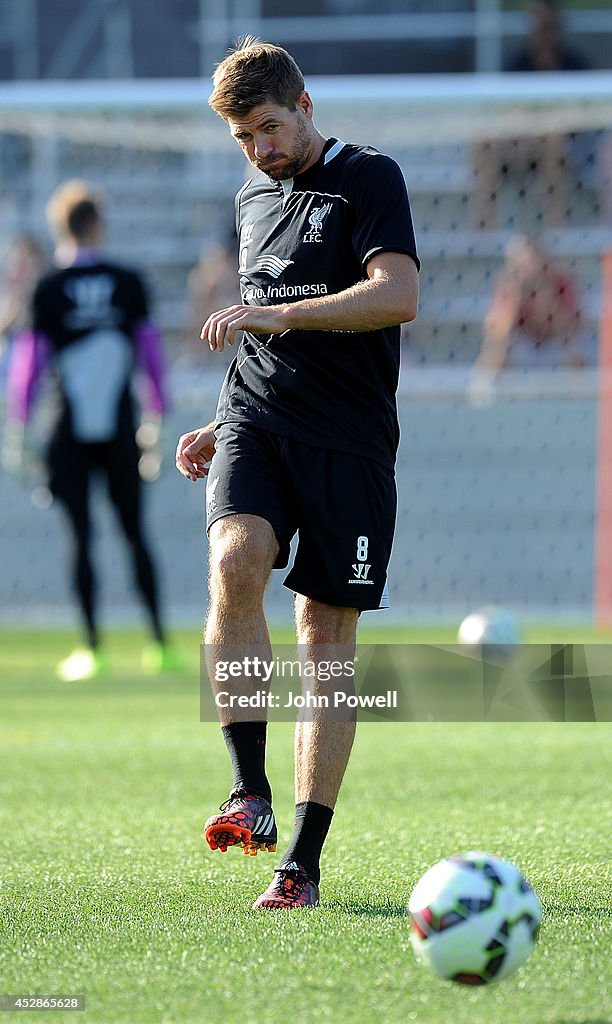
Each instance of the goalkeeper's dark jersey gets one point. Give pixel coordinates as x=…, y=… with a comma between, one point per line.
x=90, y=322
x=311, y=236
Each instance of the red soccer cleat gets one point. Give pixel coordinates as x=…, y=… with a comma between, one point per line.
x=290, y=889
x=246, y=821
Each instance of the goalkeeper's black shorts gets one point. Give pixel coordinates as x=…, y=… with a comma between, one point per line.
x=341, y=506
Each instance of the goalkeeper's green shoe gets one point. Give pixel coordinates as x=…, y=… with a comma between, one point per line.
x=157, y=658
x=82, y=664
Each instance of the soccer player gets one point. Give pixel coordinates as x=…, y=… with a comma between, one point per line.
x=305, y=434
x=90, y=325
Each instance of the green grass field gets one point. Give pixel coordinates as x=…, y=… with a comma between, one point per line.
x=107, y=889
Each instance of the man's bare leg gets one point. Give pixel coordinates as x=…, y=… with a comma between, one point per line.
x=323, y=741
x=243, y=549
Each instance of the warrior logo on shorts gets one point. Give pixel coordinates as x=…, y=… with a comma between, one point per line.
x=361, y=571
x=211, y=501
x=361, y=568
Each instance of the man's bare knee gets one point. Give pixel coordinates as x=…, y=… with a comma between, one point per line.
x=243, y=550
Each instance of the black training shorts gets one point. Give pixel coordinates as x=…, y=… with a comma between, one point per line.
x=341, y=506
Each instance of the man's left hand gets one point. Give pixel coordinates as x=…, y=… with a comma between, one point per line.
x=220, y=328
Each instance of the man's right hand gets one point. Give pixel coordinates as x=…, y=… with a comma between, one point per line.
x=194, y=451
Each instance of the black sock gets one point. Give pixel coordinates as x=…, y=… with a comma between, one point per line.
x=310, y=830
x=246, y=743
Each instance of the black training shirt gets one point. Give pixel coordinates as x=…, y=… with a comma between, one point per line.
x=304, y=237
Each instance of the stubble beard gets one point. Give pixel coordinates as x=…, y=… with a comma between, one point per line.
x=297, y=158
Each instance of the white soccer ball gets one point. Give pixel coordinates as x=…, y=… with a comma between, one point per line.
x=474, y=918
x=493, y=632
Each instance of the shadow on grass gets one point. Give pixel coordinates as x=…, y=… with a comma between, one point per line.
x=363, y=908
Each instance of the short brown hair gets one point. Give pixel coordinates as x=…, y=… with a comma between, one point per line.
x=73, y=209
x=253, y=73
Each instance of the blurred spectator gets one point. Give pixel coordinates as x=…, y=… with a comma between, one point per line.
x=546, y=48
x=24, y=264
x=534, y=320
x=212, y=284
x=90, y=326
x=547, y=155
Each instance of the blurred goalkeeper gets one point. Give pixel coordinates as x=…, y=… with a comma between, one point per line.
x=90, y=327
x=305, y=436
